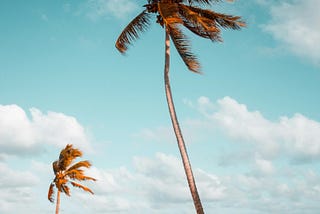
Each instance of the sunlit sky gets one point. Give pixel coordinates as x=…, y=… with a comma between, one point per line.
x=251, y=121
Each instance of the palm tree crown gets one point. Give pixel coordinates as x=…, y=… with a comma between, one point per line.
x=66, y=173
x=173, y=14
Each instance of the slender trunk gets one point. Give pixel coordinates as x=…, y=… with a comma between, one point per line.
x=177, y=131
x=58, y=202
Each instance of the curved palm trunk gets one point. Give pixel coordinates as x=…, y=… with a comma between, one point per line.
x=177, y=131
x=58, y=202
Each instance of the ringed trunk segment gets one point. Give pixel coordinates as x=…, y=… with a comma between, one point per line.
x=177, y=130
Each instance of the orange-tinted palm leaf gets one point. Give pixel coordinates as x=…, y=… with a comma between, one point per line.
x=80, y=164
x=51, y=193
x=199, y=25
x=201, y=1
x=81, y=187
x=182, y=45
x=65, y=189
x=77, y=174
x=172, y=21
x=132, y=31
x=67, y=155
x=223, y=20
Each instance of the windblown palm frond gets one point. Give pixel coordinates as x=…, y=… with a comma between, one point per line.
x=222, y=20
x=173, y=21
x=131, y=32
x=80, y=164
x=81, y=187
x=201, y=1
x=199, y=25
x=182, y=45
x=67, y=155
x=51, y=193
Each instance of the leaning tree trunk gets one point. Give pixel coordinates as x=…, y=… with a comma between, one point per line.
x=177, y=131
x=58, y=202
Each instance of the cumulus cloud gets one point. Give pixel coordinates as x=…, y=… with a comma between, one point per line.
x=296, y=24
x=104, y=8
x=15, y=188
x=21, y=135
x=298, y=136
x=155, y=184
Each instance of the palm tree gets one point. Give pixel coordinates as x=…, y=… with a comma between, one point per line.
x=66, y=173
x=172, y=15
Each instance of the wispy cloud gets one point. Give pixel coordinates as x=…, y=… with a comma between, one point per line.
x=96, y=9
x=296, y=24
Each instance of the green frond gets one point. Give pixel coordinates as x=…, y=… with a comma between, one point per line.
x=182, y=45
x=132, y=31
x=51, y=193
x=81, y=187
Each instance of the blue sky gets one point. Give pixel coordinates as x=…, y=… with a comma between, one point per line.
x=251, y=121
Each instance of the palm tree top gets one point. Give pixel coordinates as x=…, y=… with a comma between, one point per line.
x=65, y=172
x=175, y=14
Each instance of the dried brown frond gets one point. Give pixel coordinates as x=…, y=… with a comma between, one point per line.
x=77, y=174
x=131, y=32
x=222, y=20
x=199, y=25
x=81, y=187
x=202, y=1
x=67, y=155
x=51, y=193
x=172, y=21
x=182, y=45
x=65, y=189
x=80, y=164
x=55, y=167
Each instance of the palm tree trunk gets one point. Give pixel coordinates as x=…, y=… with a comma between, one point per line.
x=58, y=202
x=177, y=131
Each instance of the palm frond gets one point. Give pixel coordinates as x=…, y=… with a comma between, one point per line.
x=67, y=155
x=65, y=189
x=182, y=45
x=201, y=1
x=51, y=193
x=77, y=174
x=199, y=25
x=55, y=167
x=81, y=187
x=132, y=31
x=223, y=20
x=80, y=164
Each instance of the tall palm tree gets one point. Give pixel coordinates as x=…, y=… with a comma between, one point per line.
x=172, y=15
x=66, y=173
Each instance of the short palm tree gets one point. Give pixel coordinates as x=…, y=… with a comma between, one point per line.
x=172, y=15
x=66, y=173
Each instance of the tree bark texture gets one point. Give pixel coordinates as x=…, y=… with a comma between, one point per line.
x=177, y=130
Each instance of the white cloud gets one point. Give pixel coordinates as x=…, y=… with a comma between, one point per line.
x=21, y=135
x=104, y=8
x=298, y=136
x=296, y=24
x=154, y=185
x=15, y=188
